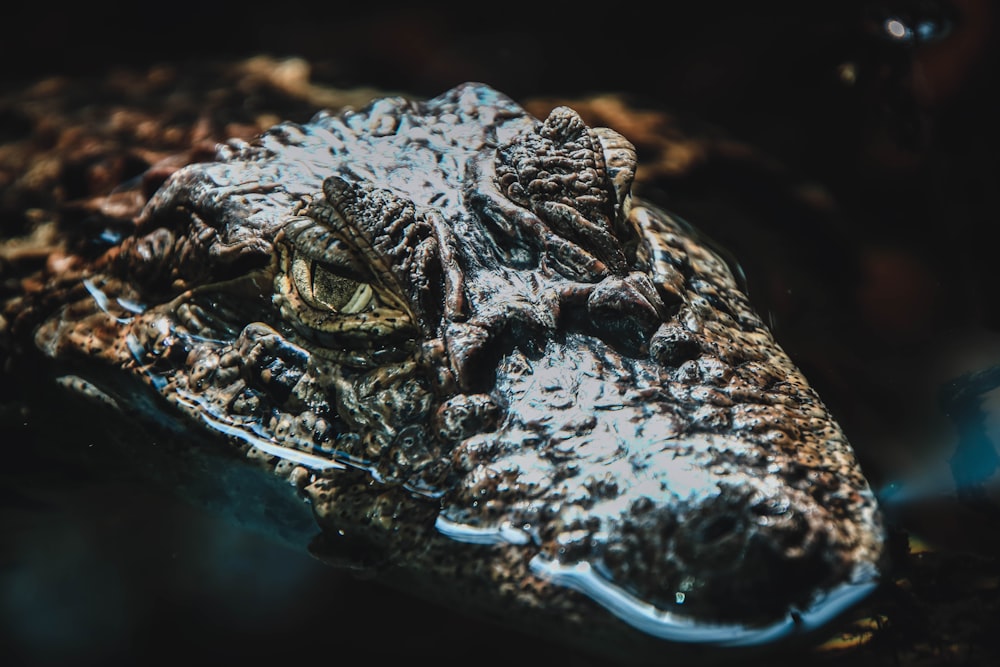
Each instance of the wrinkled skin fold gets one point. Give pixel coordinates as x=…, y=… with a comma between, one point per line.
x=488, y=373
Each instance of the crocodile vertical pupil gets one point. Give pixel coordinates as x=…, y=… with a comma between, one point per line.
x=325, y=290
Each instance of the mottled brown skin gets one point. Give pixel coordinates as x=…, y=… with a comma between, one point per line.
x=483, y=368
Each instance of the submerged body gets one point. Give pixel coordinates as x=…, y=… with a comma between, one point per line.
x=455, y=352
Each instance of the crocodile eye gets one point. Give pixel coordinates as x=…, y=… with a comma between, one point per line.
x=328, y=291
x=325, y=290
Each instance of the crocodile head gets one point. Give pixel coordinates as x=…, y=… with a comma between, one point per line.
x=451, y=329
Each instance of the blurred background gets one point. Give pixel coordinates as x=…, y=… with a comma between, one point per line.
x=843, y=154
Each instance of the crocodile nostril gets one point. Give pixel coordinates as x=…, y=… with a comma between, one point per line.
x=742, y=553
x=713, y=538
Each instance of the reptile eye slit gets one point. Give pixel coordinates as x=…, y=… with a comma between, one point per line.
x=322, y=289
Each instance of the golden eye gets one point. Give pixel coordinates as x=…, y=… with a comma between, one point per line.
x=325, y=290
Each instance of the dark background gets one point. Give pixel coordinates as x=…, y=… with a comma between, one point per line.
x=884, y=284
x=769, y=73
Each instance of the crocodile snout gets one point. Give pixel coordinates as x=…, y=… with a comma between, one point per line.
x=707, y=530
x=738, y=552
x=733, y=567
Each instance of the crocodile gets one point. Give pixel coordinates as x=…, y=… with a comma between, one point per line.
x=439, y=342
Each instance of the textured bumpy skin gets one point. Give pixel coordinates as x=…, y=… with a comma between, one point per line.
x=486, y=372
